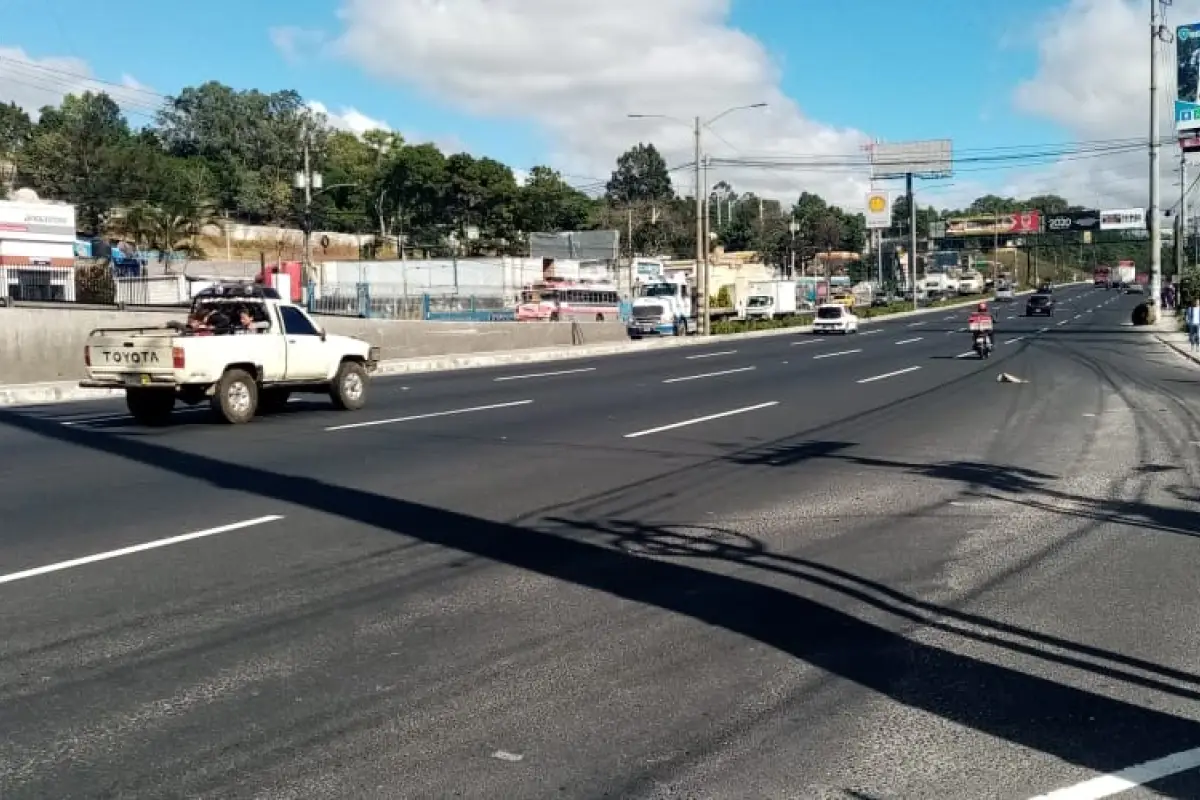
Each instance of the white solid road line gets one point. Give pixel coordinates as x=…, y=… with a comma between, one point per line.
x=889, y=375
x=712, y=355
x=839, y=353
x=137, y=548
x=90, y=420
x=698, y=420
x=708, y=375
x=1126, y=779
x=120, y=417
x=807, y=341
x=544, y=374
x=910, y=341
x=428, y=416
x=1011, y=341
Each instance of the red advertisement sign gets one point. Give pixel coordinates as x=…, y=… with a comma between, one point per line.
x=1026, y=222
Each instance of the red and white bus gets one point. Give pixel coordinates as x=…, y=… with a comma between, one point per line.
x=551, y=301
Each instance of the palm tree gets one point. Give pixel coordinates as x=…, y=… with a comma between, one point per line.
x=176, y=230
x=135, y=224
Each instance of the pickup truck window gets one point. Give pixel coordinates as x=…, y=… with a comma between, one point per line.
x=295, y=323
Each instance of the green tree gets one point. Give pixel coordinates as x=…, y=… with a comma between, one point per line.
x=419, y=182
x=480, y=193
x=548, y=204
x=77, y=153
x=15, y=131
x=900, y=222
x=641, y=176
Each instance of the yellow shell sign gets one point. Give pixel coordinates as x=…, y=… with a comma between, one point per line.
x=877, y=203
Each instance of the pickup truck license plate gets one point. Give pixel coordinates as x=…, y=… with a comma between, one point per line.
x=137, y=380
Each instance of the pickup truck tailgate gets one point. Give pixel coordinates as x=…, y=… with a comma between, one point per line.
x=132, y=358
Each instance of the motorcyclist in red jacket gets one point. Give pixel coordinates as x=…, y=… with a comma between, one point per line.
x=982, y=314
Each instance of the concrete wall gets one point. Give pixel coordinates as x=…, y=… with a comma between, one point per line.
x=46, y=344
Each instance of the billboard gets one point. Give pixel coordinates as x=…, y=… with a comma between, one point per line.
x=1187, y=77
x=1069, y=221
x=879, y=210
x=1123, y=219
x=995, y=224
x=928, y=159
x=37, y=222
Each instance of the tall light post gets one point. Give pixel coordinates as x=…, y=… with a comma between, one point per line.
x=793, y=228
x=702, y=272
x=1157, y=33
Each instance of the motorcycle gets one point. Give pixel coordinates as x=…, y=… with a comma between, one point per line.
x=981, y=335
x=983, y=345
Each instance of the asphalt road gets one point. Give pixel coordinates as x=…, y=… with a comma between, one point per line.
x=841, y=567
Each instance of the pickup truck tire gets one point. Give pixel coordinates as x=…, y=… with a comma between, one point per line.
x=150, y=406
x=236, y=397
x=349, y=389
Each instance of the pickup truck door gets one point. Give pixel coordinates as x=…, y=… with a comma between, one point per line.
x=307, y=356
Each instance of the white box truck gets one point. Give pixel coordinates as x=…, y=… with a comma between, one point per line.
x=770, y=300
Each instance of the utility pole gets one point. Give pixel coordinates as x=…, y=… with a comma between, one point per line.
x=912, y=237
x=307, y=180
x=1181, y=214
x=1156, y=31
x=701, y=247
x=701, y=272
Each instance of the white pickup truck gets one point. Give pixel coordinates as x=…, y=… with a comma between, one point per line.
x=252, y=355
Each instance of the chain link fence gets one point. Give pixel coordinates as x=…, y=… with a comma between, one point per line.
x=389, y=301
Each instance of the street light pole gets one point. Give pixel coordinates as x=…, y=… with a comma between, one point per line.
x=1155, y=226
x=701, y=272
x=702, y=267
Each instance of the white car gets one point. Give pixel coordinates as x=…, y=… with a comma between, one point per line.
x=834, y=318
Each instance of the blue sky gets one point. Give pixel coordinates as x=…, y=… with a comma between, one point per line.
x=896, y=70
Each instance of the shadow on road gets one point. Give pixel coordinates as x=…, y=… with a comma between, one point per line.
x=1081, y=727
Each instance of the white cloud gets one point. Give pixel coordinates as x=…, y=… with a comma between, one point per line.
x=349, y=119
x=578, y=67
x=356, y=122
x=33, y=83
x=1093, y=80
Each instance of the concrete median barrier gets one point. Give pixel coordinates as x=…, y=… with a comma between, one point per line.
x=41, y=344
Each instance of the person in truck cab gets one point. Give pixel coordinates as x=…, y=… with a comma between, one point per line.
x=250, y=322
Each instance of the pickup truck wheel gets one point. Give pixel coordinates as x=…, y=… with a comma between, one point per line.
x=150, y=406
x=236, y=398
x=272, y=401
x=349, y=389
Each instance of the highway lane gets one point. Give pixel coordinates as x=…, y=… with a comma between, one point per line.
x=329, y=651
x=514, y=442
x=500, y=455
x=453, y=384
x=513, y=432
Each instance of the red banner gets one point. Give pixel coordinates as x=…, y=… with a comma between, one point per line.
x=1026, y=222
